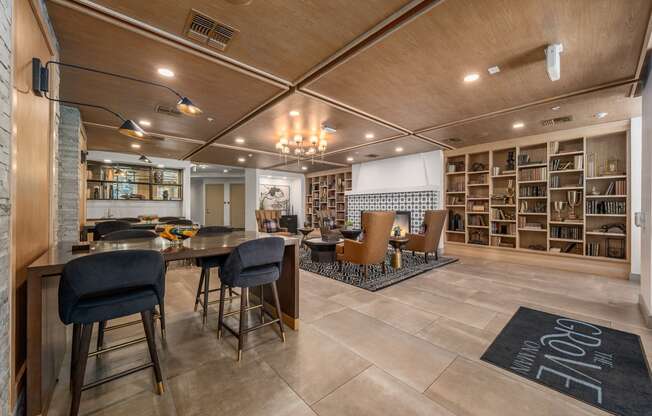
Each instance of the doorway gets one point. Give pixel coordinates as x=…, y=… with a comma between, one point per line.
x=214, y=210
x=237, y=205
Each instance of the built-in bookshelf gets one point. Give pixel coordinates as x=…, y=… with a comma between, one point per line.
x=568, y=197
x=326, y=191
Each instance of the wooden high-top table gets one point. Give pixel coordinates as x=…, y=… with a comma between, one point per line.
x=46, y=334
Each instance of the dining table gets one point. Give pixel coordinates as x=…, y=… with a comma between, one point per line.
x=46, y=334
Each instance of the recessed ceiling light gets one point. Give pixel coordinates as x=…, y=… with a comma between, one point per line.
x=399, y=149
x=295, y=113
x=304, y=167
x=285, y=177
x=349, y=159
x=166, y=72
x=241, y=159
x=239, y=140
x=471, y=77
x=555, y=108
x=210, y=119
x=203, y=166
x=135, y=146
x=601, y=114
x=493, y=70
x=107, y=160
x=250, y=155
x=518, y=125
x=369, y=136
x=145, y=123
x=225, y=171
x=160, y=166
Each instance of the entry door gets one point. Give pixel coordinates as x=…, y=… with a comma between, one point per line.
x=214, y=204
x=237, y=205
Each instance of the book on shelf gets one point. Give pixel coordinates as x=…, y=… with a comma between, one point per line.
x=606, y=207
x=565, y=232
x=503, y=228
x=533, y=174
x=532, y=190
x=593, y=249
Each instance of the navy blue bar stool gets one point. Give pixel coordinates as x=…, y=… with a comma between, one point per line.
x=254, y=263
x=206, y=264
x=102, y=328
x=105, y=286
x=179, y=221
x=105, y=227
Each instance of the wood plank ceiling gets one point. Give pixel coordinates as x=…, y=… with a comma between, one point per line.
x=386, y=74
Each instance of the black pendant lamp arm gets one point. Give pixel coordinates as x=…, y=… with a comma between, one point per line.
x=45, y=94
x=111, y=74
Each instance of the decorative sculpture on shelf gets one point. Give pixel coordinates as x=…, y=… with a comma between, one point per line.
x=558, y=206
x=510, y=192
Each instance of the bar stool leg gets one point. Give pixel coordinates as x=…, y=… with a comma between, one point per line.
x=79, y=369
x=244, y=301
x=100, y=335
x=262, y=304
x=207, y=284
x=279, y=314
x=161, y=309
x=201, y=282
x=74, y=353
x=220, y=318
x=148, y=326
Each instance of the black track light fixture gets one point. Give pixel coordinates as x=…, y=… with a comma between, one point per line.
x=144, y=158
x=40, y=84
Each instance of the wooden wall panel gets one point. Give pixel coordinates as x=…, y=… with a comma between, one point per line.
x=31, y=170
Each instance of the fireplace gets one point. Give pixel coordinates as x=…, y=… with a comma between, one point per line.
x=402, y=219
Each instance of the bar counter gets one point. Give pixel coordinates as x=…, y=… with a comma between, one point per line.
x=47, y=335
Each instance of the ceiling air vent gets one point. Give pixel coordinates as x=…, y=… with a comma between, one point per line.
x=168, y=111
x=208, y=31
x=371, y=156
x=556, y=121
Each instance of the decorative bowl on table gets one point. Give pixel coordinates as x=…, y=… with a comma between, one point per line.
x=176, y=233
x=148, y=218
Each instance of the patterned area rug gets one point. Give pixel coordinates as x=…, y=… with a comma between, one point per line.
x=376, y=280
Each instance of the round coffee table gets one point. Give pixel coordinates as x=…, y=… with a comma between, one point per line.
x=397, y=243
x=322, y=251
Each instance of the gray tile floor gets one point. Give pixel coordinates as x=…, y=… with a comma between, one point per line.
x=410, y=349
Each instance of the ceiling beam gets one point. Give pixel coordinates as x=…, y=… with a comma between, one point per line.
x=642, y=55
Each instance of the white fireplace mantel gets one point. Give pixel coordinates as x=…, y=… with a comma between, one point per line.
x=393, y=190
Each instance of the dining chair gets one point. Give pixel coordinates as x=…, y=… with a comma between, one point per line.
x=130, y=219
x=106, y=227
x=129, y=234
x=254, y=263
x=179, y=221
x=166, y=219
x=105, y=286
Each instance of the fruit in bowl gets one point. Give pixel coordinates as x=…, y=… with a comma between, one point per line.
x=148, y=218
x=176, y=233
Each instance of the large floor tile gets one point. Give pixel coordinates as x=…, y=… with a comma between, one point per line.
x=427, y=301
x=398, y=315
x=247, y=388
x=375, y=392
x=469, y=389
x=456, y=337
x=313, y=364
x=410, y=359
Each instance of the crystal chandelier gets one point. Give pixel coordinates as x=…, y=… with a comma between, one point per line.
x=301, y=148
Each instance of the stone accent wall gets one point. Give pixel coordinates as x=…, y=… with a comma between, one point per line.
x=417, y=203
x=5, y=203
x=68, y=156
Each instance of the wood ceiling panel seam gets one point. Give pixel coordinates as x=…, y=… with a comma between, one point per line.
x=243, y=120
x=433, y=141
x=519, y=107
x=117, y=19
x=369, y=39
x=362, y=145
x=323, y=162
x=644, y=48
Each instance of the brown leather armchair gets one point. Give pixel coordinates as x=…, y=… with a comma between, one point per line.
x=269, y=214
x=429, y=241
x=377, y=227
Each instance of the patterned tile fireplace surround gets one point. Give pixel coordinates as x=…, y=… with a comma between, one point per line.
x=417, y=202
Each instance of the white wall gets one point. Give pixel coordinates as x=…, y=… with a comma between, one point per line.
x=400, y=174
x=251, y=199
x=646, y=199
x=636, y=145
x=119, y=208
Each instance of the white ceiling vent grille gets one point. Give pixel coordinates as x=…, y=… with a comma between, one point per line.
x=206, y=30
x=552, y=122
